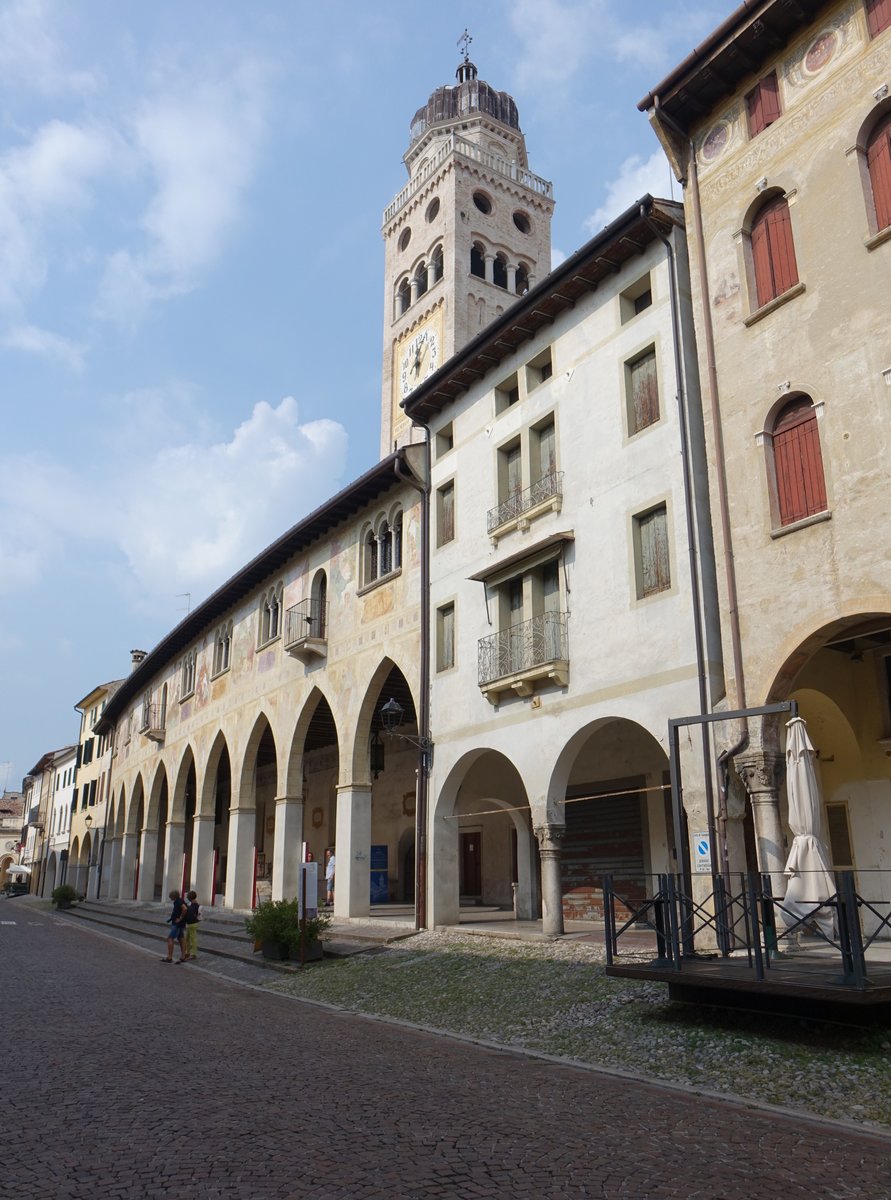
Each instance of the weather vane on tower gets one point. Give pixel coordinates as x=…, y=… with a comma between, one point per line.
x=464, y=45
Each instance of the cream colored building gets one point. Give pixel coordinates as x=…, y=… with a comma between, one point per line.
x=249, y=734
x=779, y=125
x=572, y=584
x=89, y=806
x=58, y=817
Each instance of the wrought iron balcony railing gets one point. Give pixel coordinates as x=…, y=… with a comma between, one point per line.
x=154, y=719
x=535, y=643
x=549, y=487
x=306, y=622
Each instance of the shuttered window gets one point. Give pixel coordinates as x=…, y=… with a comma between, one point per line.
x=763, y=104
x=445, y=637
x=445, y=500
x=801, y=490
x=651, y=552
x=878, y=16
x=514, y=471
x=643, y=392
x=547, y=450
x=878, y=158
x=773, y=251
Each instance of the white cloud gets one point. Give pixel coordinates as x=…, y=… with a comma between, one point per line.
x=192, y=514
x=557, y=257
x=557, y=36
x=30, y=339
x=31, y=52
x=44, y=184
x=184, y=517
x=199, y=145
x=636, y=177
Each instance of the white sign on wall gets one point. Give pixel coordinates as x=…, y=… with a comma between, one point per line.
x=702, y=854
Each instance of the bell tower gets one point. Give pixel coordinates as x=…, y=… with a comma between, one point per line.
x=468, y=234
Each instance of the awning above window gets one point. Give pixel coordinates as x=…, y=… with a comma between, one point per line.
x=538, y=550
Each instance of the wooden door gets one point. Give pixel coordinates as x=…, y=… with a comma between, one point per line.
x=471, y=865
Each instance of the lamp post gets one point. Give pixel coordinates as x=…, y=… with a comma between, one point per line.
x=391, y=718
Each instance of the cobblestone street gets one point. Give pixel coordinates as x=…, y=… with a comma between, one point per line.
x=137, y=1079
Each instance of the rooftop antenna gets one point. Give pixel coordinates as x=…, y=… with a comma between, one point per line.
x=464, y=45
x=188, y=599
x=6, y=780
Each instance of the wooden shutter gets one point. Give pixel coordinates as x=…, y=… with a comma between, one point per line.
x=547, y=451
x=798, y=463
x=878, y=158
x=644, y=392
x=655, y=572
x=878, y=16
x=773, y=251
x=514, y=472
x=447, y=637
x=763, y=104
x=447, y=514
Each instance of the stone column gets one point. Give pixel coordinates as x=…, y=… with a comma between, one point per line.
x=489, y=260
x=761, y=771
x=148, y=856
x=431, y=274
x=201, y=868
x=352, y=879
x=287, y=851
x=240, y=864
x=112, y=881
x=127, y=868
x=549, y=839
x=415, y=289
x=174, y=845
x=511, y=278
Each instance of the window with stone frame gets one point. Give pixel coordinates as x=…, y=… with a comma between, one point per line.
x=222, y=648
x=652, y=562
x=763, y=104
x=773, y=251
x=642, y=391
x=878, y=161
x=797, y=462
x=445, y=637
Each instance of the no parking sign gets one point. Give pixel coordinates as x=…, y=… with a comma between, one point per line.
x=702, y=854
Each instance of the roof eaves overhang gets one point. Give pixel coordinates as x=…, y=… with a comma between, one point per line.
x=736, y=50
x=299, y=537
x=561, y=289
x=495, y=569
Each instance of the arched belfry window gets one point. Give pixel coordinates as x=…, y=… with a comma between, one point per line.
x=522, y=280
x=421, y=278
x=499, y=271
x=403, y=297
x=878, y=161
x=477, y=260
x=436, y=262
x=773, y=251
x=798, y=462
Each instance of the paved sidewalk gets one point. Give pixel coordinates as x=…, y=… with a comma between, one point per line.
x=146, y=1080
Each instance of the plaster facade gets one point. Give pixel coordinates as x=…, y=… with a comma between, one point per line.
x=813, y=594
x=555, y=664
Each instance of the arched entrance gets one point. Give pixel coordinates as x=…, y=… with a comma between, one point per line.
x=251, y=842
x=313, y=773
x=483, y=850
x=841, y=678
x=617, y=805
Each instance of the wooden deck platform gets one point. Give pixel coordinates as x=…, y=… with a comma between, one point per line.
x=794, y=985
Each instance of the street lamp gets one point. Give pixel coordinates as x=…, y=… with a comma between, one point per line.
x=88, y=820
x=391, y=717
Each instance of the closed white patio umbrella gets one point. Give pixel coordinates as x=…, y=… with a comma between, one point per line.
x=807, y=868
x=18, y=870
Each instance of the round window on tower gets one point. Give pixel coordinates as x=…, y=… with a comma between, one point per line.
x=522, y=222
x=482, y=201
x=432, y=211
x=404, y=238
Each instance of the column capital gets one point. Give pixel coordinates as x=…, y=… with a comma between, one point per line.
x=549, y=837
x=352, y=787
x=289, y=799
x=760, y=771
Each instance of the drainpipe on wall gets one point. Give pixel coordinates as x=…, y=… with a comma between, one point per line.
x=692, y=544
x=721, y=477
x=423, y=489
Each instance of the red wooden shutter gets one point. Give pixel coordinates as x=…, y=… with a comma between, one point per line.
x=763, y=103
x=773, y=251
x=801, y=490
x=878, y=16
x=878, y=158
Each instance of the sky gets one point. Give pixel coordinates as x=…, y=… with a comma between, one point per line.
x=191, y=278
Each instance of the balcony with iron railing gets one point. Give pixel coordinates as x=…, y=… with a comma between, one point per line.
x=519, y=509
x=472, y=152
x=154, y=720
x=306, y=629
x=530, y=652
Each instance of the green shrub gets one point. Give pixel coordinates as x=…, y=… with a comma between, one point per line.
x=278, y=922
x=64, y=894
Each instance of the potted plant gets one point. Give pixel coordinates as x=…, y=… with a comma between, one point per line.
x=64, y=895
x=315, y=927
x=275, y=924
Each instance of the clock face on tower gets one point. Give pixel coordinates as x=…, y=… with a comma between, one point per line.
x=419, y=358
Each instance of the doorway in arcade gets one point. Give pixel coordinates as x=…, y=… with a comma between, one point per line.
x=618, y=819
